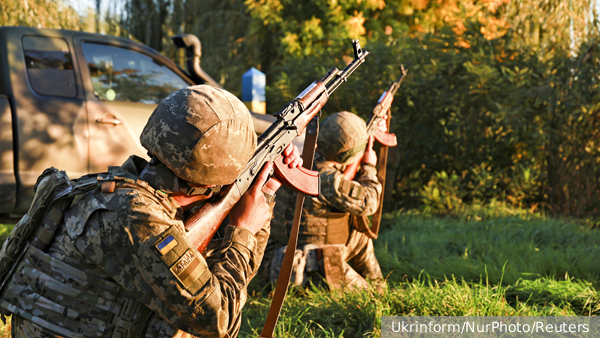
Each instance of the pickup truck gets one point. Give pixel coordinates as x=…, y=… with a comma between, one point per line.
x=78, y=102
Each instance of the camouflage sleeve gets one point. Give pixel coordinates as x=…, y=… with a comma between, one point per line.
x=359, y=197
x=144, y=251
x=237, y=262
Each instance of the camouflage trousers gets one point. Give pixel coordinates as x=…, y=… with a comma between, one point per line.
x=350, y=265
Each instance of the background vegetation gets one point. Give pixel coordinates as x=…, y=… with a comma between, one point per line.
x=500, y=105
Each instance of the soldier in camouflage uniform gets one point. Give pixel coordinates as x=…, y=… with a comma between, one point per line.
x=119, y=265
x=328, y=242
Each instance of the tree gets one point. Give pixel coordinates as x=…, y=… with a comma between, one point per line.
x=40, y=14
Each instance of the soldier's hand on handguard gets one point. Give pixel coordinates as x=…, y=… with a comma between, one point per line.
x=370, y=157
x=252, y=211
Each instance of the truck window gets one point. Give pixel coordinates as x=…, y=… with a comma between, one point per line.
x=125, y=75
x=49, y=66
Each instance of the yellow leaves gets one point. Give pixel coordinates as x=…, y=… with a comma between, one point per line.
x=493, y=28
x=492, y=5
x=291, y=42
x=312, y=28
x=266, y=10
x=58, y=14
x=374, y=4
x=407, y=10
x=456, y=14
x=355, y=25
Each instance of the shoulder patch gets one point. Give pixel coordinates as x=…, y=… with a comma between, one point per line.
x=166, y=245
x=188, y=269
x=184, y=262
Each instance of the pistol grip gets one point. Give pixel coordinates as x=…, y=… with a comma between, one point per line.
x=388, y=140
x=298, y=179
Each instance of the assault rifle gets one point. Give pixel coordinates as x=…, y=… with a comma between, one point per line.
x=291, y=122
x=387, y=140
x=379, y=112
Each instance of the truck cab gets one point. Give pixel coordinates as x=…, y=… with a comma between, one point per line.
x=78, y=102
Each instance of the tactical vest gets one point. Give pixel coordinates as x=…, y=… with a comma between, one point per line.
x=334, y=228
x=53, y=294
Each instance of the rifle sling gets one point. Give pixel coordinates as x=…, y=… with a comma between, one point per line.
x=312, y=131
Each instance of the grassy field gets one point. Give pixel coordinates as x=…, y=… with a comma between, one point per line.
x=500, y=266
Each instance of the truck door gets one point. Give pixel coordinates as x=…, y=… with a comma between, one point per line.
x=50, y=123
x=125, y=86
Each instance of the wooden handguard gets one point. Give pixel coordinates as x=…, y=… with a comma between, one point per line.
x=299, y=179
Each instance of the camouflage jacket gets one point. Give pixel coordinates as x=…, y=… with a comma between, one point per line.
x=338, y=194
x=118, y=236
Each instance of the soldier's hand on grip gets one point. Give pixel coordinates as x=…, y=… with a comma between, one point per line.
x=370, y=157
x=382, y=124
x=292, y=156
x=252, y=211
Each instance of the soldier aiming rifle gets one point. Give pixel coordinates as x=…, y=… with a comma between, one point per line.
x=335, y=241
x=141, y=251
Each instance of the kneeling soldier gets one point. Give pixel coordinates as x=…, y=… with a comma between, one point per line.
x=329, y=244
x=119, y=265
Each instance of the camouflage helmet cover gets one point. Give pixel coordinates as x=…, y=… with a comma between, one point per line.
x=343, y=136
x=203, y=134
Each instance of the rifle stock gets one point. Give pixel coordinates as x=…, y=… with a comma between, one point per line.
x=209, y=217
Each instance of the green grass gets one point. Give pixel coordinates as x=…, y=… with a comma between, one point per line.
x=522, y=265
x=503, y=266
x=506, y=249
x=318, y=313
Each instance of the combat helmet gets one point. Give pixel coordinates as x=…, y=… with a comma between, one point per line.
x=342, y=137
x=204, y=135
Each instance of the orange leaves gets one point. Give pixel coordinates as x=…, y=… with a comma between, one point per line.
x=419, y=4
x=355, y=25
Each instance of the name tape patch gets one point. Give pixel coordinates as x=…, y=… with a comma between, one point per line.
x=187, y=269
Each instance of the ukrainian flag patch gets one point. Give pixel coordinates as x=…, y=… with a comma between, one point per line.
x=166, y=245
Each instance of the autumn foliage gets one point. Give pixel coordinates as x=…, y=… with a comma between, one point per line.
x=500, y=106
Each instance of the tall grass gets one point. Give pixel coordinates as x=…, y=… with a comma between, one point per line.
x=319, y=313
x=503, y=266
x=493, y=250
